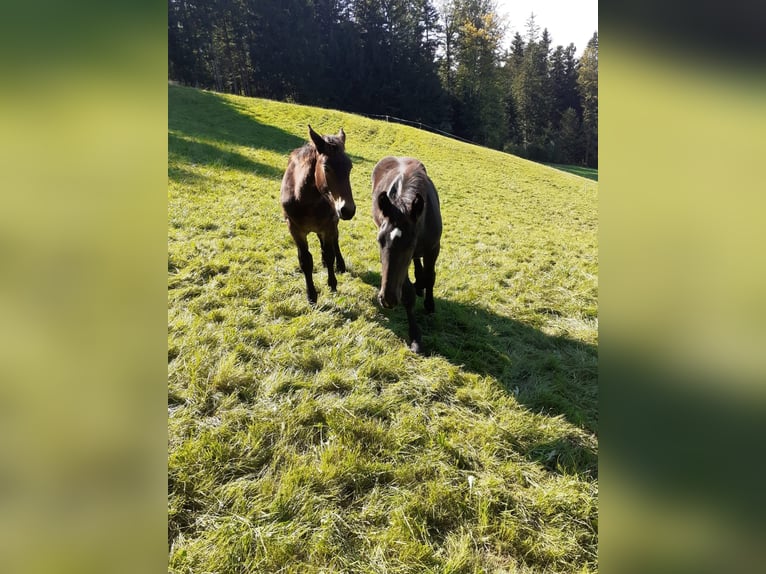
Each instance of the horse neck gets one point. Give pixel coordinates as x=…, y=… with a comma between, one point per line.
x=319, y=180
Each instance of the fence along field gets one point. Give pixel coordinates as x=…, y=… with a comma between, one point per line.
x=312, y=440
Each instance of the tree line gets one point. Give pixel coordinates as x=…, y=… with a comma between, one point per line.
x=442, y=67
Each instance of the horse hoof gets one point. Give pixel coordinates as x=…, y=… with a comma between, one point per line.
x=340, y=268
x=429, y=306
x=312, y=297
x=416, y=347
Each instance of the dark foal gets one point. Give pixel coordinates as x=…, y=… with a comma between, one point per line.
x=405, y=207
x=316, y=192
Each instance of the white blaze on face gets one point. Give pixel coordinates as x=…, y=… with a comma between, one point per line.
x=396, y=232
x=339, y=203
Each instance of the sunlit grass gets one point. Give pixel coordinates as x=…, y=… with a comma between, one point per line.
x=311, y=439
x=589, y=172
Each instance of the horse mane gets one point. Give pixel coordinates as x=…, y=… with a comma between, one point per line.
x=306, y=153
x=417, y=183
x=408, y=186
x=304, y=160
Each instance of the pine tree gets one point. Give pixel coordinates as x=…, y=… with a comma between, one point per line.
x=558, y=84
x=476, y=89
x=533, y=30
x=516, y=57
x=532, y=94
x=513, y=65
x=587, y=81
x=397, y=73
x=570, y=91
x=569, y=144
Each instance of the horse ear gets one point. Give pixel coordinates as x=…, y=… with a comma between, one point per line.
x=385, y=205
x=417, y=207
x=342, y=136
x=319, y=143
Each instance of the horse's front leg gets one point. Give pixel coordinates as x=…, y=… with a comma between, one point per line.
x=340, y=265
x=328, y=242
x=305, y=260
x=408, y=300
x=419, y=280
x=429, y=278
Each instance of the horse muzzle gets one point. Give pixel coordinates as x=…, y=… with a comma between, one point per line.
x=347, y=212
x=344, y=209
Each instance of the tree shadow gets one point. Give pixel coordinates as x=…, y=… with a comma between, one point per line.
x=550, y=374
x=195, y=114
x=183, y=175
x=199, y=153
x=211, y=116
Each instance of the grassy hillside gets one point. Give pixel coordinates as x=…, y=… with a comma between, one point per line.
x=589, y=172
x=312, y=440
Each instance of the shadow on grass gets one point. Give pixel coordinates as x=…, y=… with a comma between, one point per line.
x=554, y=375
x=183, y=175
x=194, y=114
x=199, y=153
x=211, y=116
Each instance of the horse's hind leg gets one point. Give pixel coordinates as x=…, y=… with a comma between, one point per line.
x=408, y=300
x=429, y=278
x=340, y=265
x=419, y=279
x=305, y=260
x=327, y=241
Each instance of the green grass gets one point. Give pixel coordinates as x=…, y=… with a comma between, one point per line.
x=312, y=440
x=589, y=172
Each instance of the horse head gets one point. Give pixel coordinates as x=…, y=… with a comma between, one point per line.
x=333, y=170
x=397, y=237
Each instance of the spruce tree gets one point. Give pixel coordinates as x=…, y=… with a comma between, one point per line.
x=587, y=81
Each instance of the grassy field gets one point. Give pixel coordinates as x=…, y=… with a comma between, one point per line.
x=310, y=440
x=589, y=172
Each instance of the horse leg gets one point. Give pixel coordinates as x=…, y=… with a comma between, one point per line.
x=419, y=279
x=408, y=299
x=340, y=265
x=328, y=258
x=429, y=278
x=321, y=246
x=306, y=261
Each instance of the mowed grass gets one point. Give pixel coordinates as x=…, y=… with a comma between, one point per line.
x=310, y=440
x=589, y=172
